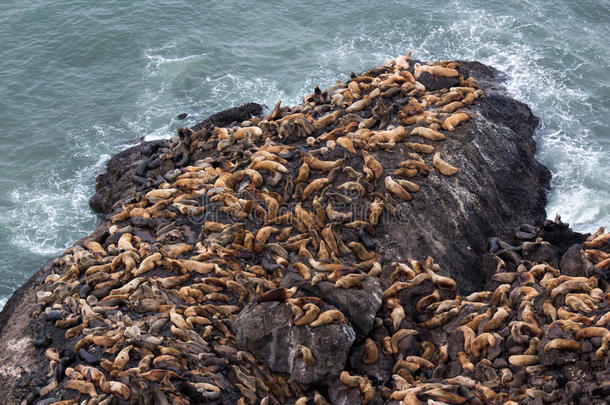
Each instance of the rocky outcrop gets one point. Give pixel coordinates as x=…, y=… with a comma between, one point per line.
x=217, y=247
x=358, y=305
x=123, y=170
x=266, y=331
x=21, y=362
x=500, y=186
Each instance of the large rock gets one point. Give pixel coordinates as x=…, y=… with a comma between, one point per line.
x=116, y=183
x=571, y=262
x=499, y=186
x=267, y=331
x=341, y=395
x=380, y=371
x=359, y=305
x=436, y=83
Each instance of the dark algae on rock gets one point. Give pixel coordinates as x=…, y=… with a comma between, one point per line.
x=382, y=242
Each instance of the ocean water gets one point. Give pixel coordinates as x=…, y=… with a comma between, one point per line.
x=79, y=82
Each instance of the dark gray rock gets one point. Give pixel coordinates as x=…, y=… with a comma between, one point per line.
x=498, y=349
x=500, y=186
x=266, y=330
x=524, y=235
x=559, y=234
x=379, y=372
x=358, y=305
x=586, y=346
x=413, y=295
x=436, y=83
x=341, y=394
x=571, y=262
x=548, y=254
x=116, y=182
x=500, y=363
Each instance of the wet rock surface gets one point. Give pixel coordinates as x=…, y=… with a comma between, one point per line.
x=358, y=305
x=126, y=170
x=383, y=242
x=265, y=330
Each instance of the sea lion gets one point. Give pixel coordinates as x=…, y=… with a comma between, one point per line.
x=523, y=360
x=396, y=189
x=270, y=165
x=373, y=164
x=370, y=353
x=276, y=294
x=314, y=186
x=428, y=133
x=562, y=344
x=442, y=166
x=311, y=313
x=327, y=317
x=437, y=71
x=350, y=281
x=321, y=165
x=420, y=147
x=307, y=355
x=454, y=120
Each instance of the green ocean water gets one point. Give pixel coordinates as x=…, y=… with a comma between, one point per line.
x=80, y=80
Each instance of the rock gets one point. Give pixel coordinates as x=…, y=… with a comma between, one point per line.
x=555, y=332
x=267, y=331
x=546, y=254
x=414, y=295
x=499, y=176
x=232, y=115
x=586, y=347
x=559, y=234
x=500, y=185
x=493, y=352
x=436, y=83
x=116, y=182
x=499, y=363
x=524, y=235
x=488, y=266
x=342, y=395
x=571, y=262
x=456, y=344
x=358, y=305
x=379, y=372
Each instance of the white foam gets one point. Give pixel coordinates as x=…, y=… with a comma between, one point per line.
x=52, y=212
x=171, y=65
x=160, y=60
x=3, y=302
x=164, y=132
x=45, y=215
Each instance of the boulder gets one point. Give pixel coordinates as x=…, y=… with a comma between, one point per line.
x=571, y=262
x=266, y=330
x=359, y=305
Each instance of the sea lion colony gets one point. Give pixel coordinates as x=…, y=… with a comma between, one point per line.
x=146, y=313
